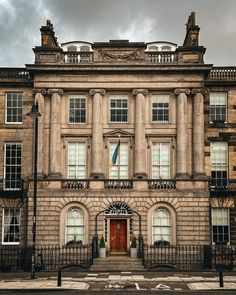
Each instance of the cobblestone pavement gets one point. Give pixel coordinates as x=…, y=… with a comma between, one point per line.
x=119, y=281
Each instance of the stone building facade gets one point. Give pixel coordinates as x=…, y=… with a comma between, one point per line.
x=125, y=143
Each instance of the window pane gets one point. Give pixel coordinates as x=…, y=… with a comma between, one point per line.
x=12, y=166
x=75, y=225
x=160, y=108
x=77, y=160
x=218, y=106
x=160, y=160
x=161, y=225
x=77, y=110
x=119, y=110
x=120, y=168
x=14, y=103
x=11, y=225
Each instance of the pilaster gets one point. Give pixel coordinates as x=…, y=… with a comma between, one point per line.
x=182, y=133
x=55, y=133
x=140, y=169
x=198, y=132
x=97, y=134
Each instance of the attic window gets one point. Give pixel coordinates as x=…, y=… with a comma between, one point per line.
x=165, y=48
x=72, y=48
x=84, y=48
x=152, y=48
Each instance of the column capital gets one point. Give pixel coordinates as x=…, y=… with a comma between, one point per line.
x=137, y=91
x=178, y=91
x=100, y=91
x=39, y=90
x=53, y=91
x=203, y=91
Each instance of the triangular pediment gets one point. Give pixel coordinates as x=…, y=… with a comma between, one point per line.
x=117, y=133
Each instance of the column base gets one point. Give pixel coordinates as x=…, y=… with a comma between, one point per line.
x=56, y=175
x=182, y=175
x=140, y=176
x=97, y=176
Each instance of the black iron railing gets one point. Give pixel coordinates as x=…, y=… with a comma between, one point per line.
x=12, y=188
x=223, y=184
x=15, y=73
x=188, y=258
x=51, y=258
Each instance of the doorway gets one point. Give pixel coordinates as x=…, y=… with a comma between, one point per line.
x=118, y=235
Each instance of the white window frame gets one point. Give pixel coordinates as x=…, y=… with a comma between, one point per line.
x=124, y=146
x=118, y=97
x=161, y=98
x=161, y=144
x=18, y=109
x=219, y=165
x=74, y=226
x=218, y=96
x=4, y=225
x=85, y=109
x=77, y=164
x=170, y=226
x=12, y=165
x=219, y=215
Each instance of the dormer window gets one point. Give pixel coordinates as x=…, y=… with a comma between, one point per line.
x=165, y=48
x=72, y=48
x=84, y=48
x=153, y=48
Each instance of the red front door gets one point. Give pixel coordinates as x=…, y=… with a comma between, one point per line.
x=118, y=235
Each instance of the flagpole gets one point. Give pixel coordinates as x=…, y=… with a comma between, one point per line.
x=119, y=160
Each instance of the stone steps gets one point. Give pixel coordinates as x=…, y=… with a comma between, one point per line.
x=117, y=263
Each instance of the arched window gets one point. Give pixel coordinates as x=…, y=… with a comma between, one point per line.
x=153, y=48
x=165, y=48
x=162, y=226
x=84, y=48
x=71, y=48
x=74, y=226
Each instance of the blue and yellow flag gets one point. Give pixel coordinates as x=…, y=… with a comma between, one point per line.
x=115, y=155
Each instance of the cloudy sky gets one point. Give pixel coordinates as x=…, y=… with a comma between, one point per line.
x=101, y=20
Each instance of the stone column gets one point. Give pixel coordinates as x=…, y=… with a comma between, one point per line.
x=140, y=170
x=39, y=97
x=97, y=134
x=55, y=133
x=198, y=133
x=182, y=133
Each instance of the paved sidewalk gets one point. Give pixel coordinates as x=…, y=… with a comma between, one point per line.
x=148, y=281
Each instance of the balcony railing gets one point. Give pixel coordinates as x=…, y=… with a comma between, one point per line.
x=223, y=73
x=166, y=57
x=12, y=188
x=118, y=184
x=161, y=184
x=74, y=184
x=78, y=57
x=15, y=73
x=222, y=185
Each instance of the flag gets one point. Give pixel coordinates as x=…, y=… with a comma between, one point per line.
x=115, y=155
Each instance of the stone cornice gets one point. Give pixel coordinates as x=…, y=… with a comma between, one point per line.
x=53, y=91
x=137, y=91
x=178, y=91
x=100, y=91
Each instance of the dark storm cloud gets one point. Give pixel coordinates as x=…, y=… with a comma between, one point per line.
x=101, y=20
